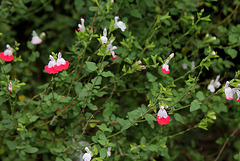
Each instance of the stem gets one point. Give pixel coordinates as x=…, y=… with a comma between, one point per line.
x=224, y=145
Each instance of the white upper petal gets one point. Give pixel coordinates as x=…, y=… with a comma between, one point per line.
x=104, y=39
x=36, y=40
x=122, y=26
x=162, y=112
x=8, y=51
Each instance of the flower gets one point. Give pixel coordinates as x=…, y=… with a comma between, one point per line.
x=81, y=26
x=10, y=87
x=213, y=38
x=185, y=66
x=119, y=24
x=162, y=116
x=61, y=63
x=110, y=48
x=214, y=84
x=165, y=67
x=211, y=86
x=229, y=92
x=104, y=38
x=7, y=54
x=109, y=151
x=143, y=67
x=50, y=67
x=35, y=39
x=238, y=94
x=87, y=156
x=139, y=62
x=192, y=65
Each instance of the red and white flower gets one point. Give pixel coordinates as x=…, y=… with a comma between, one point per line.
x=238, y=94
x=81, y=26
x=162, y=116
x=165, y=67
x=7, y=54
x=119, y=24
x=50, y=67
x=61, y=63
x=104, y=38
x=35, y=39
x=87, y=156
x=10, y=87
x=110, y=48
x=229, y=92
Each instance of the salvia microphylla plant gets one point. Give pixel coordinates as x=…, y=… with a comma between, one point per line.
x=134, y=82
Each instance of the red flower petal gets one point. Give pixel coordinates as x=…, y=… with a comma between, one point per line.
x=66, y=65
x=62, y=66
x=6, y=57
x=114, y=57
x=238, y=99
x=163, y=120
x=165, y=71
x=50, y=70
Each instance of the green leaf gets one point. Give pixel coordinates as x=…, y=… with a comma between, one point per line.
x=195, y=105
x=30, y=149
x=233, y=38
x=104, y=128
x=97, y=80
x=150, y=119
x=11, y=144
x=33, y=118
x=231, y=52
x=200, y=95
x=136, y=13
x=178, y=117
x=151, y=78
x=124, y=123
x=59, y=159
x=91, y=66
x=92, y=8
x=30, y=45
x=103, y=153
x=107, y=74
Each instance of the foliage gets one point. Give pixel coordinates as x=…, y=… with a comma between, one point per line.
x=114, y=103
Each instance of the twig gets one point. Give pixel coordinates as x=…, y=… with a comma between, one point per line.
x=224, y=145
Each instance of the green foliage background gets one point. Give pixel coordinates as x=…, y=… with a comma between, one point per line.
x=114, y=103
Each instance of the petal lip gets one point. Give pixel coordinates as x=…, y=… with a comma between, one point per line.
x=230, y=98
x=163, y=120
x=114, y=57
x=6, y=57
x=62, y=66
x=50, y=70
x=238, y=99
x=165, y=71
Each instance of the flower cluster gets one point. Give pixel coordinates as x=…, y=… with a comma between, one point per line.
x=7, y=54
x=54, y=67
x=214, y=84
x=229, y=92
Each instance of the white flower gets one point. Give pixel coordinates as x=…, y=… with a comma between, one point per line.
x=217, y=84
x=228, y=91
x=109, y=151
x=214, y=84
x=192, y=65
x=171, y=55
x=185, y=66
x=119, y=24
x=213, y=38
x=139, y=62
x=35, y=39
x=81, y=26
x=87, y=156
x=162, y=116
x=8, y=51
x=211, y=86
x=104, y=38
